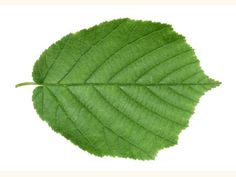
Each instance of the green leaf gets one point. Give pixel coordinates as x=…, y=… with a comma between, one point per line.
x=123, y=88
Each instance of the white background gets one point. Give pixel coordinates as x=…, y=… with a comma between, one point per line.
x=27, y=143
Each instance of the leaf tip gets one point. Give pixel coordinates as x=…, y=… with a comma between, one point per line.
x=217, y=83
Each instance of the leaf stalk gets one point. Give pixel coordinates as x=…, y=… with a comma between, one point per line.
x=25, y=83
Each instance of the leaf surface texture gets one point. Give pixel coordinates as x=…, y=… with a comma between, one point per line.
x=123, y=88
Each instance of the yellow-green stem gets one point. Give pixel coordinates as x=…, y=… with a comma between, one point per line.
x=25, y=83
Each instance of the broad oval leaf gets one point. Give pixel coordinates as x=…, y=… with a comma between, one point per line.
x=122, y=88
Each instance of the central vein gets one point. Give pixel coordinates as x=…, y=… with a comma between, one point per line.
x=117, y=84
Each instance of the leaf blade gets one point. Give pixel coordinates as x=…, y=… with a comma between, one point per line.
x=123, y=88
